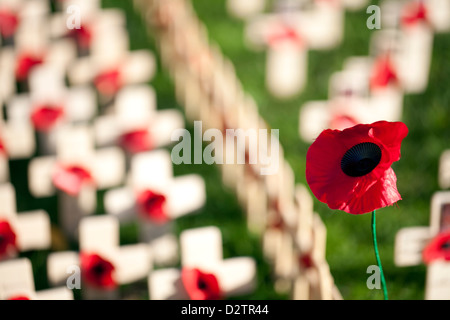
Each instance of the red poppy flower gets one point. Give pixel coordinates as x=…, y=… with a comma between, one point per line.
x=306, y=261
x=71, y=179
x=350, y=170
x=108, y=82
x=7, y=238
x=46, y=116
x=285, y=34
x=136, y=141
x=8, y=23
x=152, y=205
x=383, y=73
x=97, y=271
x=82, y=36
x=25, y=63
x=200, y=285
x=21, y=297
x=438, y=248
x=413, y=13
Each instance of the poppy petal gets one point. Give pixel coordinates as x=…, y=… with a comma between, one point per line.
x=391, y=135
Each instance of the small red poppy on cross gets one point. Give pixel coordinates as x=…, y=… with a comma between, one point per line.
x=7, y=239
x=71, y=179
x=153, y=205
x=97, y=271
x=200, y=285
x=438, y=248
x=9, y=21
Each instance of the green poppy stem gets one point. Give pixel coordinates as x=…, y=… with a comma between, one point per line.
x=377, y=255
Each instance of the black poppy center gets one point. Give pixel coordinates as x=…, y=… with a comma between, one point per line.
x=202, y=285
x=98, y=269
x=361, y=159
x=153, y=201
x=446, y=246
x=2, y=239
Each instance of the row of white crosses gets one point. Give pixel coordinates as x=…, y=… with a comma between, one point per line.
x=371, y=88
x=429, y=245
x=276, y=209
x=25, y=40
x=101, y=265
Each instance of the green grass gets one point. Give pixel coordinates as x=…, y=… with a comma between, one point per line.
x=349, y=243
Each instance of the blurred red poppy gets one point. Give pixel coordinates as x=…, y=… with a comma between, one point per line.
x=350, y=170
x=285, y=34
x=82, y=36
x=383, y=73
x=19, y=298
x=413, y=13
x=437, y=248
x=136, y=141
x=8, y=22
x=8, y=240
x=152, y=205
x=200, y=285
x=108, y=82
x=97, y=271
x=24, y=64
x=70, y=179
x=45, y=117
x=2, y=147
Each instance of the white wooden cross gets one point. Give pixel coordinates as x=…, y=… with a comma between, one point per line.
x=110, y=65
x=77, y=171
x=435, y=12
x=104, y=264
x=411, y=242
x=410, y=38
x=50, y=104
x=83, y=21
x=154, y=198
x=33, y=44
x=17, y=283
x=15, y=13
x=21, y=232
x=286, y=60
x=134, y=123
x=204, y=273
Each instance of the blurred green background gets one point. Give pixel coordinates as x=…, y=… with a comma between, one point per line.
x=349, y=242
